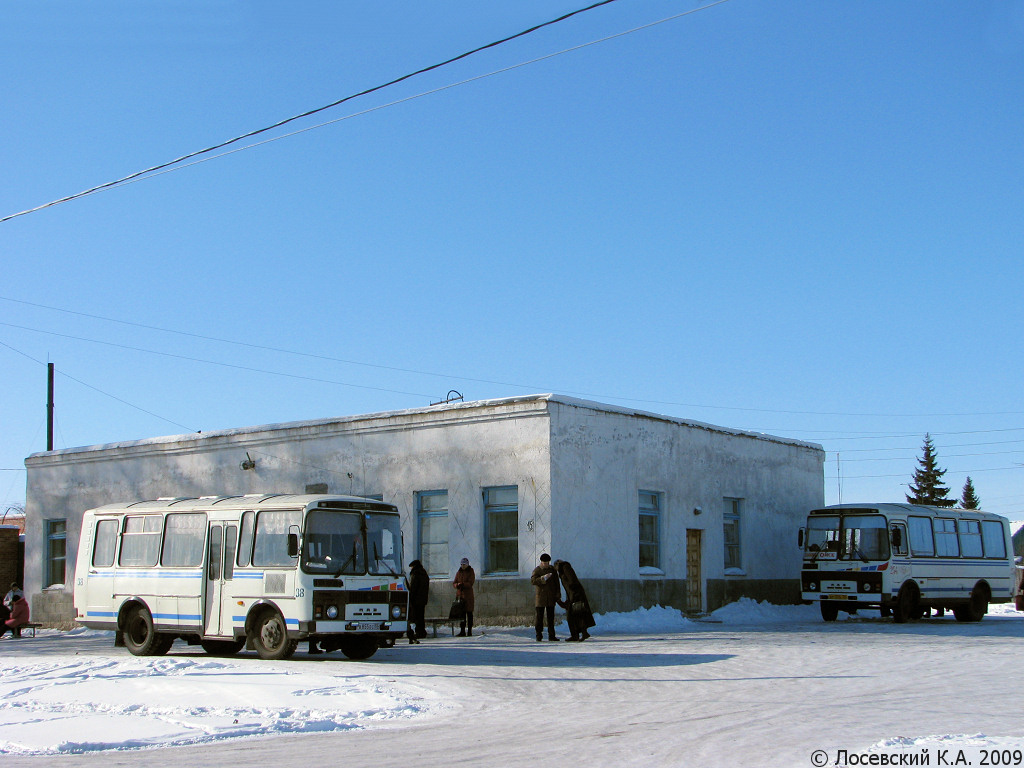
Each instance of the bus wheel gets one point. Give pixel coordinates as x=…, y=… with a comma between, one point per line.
x=976, y=609
x=270, y=638
x=222, y=647
x=140, y=638
x=359, y=647
x=829, y=611
x=907, y=604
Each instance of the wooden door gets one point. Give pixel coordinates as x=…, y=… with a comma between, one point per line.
x=694, y=579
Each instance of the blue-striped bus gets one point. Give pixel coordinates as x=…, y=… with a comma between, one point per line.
x=260, y=571
x=905, y=560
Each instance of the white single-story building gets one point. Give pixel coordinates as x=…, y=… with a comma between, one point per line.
x=649, y=509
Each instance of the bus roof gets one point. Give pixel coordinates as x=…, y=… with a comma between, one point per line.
x=254, y=501
x=905, y=508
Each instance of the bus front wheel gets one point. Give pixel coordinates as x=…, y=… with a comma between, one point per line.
x=359, y=647
x=140, y=638
x=907, y=604
x=270, y=637
x=829, y=611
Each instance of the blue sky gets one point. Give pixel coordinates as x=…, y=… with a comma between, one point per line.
x=802, y=218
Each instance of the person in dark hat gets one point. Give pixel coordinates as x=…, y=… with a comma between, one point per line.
x=419, y=593
x=545, y=581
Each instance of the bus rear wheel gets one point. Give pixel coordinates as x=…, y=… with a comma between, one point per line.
x=140, y=637
x=976, y=609
x=358, y=647
x=829, y=611
x=270, y=637
x=907, y=604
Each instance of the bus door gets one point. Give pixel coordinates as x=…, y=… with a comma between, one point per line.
x=220, y=571
x=899, y=567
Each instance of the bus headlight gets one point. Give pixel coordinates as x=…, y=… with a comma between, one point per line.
x=396, y=611
x=332, y=611
x=812, y=587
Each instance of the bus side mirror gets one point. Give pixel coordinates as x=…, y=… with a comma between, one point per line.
x=293, y=543
x=800, y=538
x=896, y=537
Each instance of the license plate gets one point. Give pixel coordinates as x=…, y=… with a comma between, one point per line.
x=368, y=626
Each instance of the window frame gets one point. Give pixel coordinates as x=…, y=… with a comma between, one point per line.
x=654, y=512
x=732, y=516
x=421, y=515
x=52, y=536
x=496, y=508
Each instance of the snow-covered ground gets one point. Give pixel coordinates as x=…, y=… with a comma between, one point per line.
x=752, y=685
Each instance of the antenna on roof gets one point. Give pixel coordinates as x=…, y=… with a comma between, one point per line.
x=452, y=397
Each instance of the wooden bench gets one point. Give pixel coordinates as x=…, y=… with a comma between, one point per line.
x=31, y=625
x=453, y=623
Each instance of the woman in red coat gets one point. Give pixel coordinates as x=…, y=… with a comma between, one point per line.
x=465, y=577
x=19, y=617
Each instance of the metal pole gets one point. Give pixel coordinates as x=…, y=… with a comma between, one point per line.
x=49, y=406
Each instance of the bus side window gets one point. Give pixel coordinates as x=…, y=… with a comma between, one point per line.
x=898, y=537
x=106, y=543
x=992, y=536
x=245, y=540
x=921, y=542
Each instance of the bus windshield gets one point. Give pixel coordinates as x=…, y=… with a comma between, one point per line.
x=384, y=544
x=334, y=543
x=850, y=537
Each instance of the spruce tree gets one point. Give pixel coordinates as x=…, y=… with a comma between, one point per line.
x=927, y=487
x=968, y=498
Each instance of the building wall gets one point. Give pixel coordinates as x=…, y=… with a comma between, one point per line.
x=460, y=448
x=603, y=458
x=578, y=467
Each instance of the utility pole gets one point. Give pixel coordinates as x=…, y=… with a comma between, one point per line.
x=49, y=406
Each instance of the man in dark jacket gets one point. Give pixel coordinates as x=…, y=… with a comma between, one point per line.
x=545, y=580
x=419, y=593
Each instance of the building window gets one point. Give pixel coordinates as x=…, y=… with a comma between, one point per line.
x=432, y=531
x=731, y=528
x=501, y=516
x=56, y=551
x=650, y=528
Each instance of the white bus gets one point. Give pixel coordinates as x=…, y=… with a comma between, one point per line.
x=906, y=559
x=260, y=571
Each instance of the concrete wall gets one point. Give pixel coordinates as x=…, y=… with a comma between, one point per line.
x=601, y=459
x=578, y=467
x=461, y=448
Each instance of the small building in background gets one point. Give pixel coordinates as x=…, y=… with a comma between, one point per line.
x=12, y=548
x=649, y=509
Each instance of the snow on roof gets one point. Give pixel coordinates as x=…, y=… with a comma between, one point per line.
x=449, y=408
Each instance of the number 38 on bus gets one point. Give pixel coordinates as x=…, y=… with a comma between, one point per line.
x=261, y=571
x=905, y=560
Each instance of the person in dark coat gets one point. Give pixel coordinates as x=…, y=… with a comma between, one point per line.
x=18, y=619
x=419, y=593
x=545, y=580
x=465, y=577
x=577, y=607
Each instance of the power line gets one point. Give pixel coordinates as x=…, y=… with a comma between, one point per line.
x=97, y=389
x=162, y=166
x=250, y=369
x=449, y=376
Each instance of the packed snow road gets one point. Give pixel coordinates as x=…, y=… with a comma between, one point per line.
x=761, y=686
